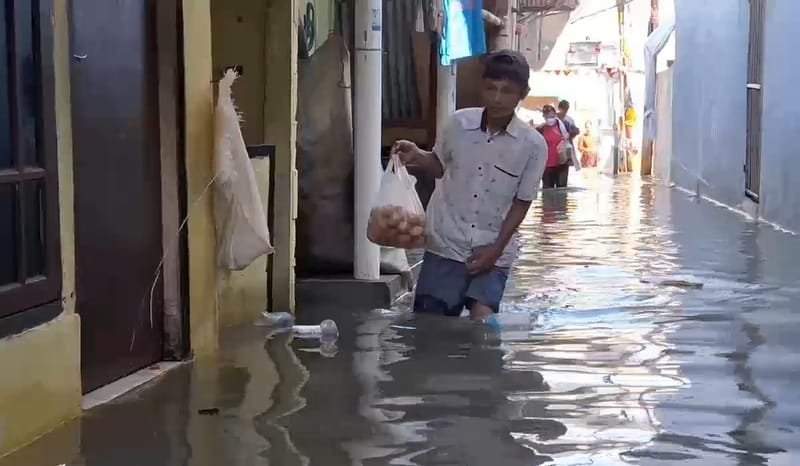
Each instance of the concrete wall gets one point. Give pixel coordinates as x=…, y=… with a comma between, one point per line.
x=710, y=106
x=780, y=174
x=709, y=114
x=662, y=153
x=41, y=385
x=239, y=38
x=45, y=389
x=203, y=322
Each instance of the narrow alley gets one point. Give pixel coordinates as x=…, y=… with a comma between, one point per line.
x=620, y=367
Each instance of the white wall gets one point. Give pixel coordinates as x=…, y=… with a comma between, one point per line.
x=709, y=112
x=663, y=143
x=710, y=105
x=780, y=155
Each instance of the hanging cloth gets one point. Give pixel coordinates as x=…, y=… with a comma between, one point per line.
x=463, y=34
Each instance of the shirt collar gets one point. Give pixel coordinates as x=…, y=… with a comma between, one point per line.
x=477, y=122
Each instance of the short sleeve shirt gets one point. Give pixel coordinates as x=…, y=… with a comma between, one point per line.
x=483, y=175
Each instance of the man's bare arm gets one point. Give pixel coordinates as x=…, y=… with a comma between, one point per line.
x=516, y=214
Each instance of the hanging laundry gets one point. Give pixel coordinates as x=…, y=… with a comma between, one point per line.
x=463, y=34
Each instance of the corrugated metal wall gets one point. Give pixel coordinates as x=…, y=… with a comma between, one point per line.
x=400, y=89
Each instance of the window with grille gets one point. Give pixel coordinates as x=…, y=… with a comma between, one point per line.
x=30, y=266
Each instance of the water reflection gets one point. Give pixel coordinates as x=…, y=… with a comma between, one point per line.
x=286, y=400
x=616, y=370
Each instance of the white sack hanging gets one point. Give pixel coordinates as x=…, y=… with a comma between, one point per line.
x=242, y=232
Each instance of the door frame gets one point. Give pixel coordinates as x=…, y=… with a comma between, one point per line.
x=174, y=267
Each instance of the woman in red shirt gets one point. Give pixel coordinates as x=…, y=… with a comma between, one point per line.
x=557, y=169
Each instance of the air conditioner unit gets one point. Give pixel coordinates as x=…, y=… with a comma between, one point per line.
x=536, y=6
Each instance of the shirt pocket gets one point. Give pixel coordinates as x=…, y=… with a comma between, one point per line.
x=504, y=181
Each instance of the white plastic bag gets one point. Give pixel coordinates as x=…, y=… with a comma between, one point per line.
x=397, y=218
x=242, y=232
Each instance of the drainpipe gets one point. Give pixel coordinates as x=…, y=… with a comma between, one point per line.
x=367, y=131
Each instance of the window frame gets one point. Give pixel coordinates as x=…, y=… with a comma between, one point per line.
x=35, y=298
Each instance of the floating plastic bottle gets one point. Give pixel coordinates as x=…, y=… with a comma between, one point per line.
x=284, y=322
x=276, y=320
x=326, y=330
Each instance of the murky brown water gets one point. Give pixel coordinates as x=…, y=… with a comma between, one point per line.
x=616, y=371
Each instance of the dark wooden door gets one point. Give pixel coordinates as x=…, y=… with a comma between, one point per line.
x=118, y=232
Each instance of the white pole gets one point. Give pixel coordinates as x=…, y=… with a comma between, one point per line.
x=367, y=131
x=445, y=96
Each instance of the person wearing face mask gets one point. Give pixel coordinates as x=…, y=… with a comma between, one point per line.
x=556, y=136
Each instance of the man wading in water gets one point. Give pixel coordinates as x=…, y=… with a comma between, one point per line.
x=489, y=163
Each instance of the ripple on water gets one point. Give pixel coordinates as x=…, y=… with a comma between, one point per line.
x=613, y=371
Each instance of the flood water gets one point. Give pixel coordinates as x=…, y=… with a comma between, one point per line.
x=617, y=369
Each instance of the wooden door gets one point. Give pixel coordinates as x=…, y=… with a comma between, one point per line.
x=118, y=224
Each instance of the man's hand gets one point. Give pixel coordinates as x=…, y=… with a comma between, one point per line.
x=483, y=259
x=408, y=153
x=417, y=160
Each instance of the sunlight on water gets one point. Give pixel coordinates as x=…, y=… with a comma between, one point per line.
x=662, y=331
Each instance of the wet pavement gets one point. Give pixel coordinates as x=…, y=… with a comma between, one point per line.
x=618, y=368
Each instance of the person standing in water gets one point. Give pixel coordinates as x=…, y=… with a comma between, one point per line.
x=556, y=137
x=489, y=163
x=587, y=146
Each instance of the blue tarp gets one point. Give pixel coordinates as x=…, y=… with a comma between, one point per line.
x=463, y=34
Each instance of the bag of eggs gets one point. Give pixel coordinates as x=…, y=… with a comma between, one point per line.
x=397, y=218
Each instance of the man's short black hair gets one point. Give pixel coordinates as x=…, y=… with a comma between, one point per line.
x=563, y=105
x=507, y=65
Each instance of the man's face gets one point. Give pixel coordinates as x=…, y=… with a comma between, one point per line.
x=562, y=112
x=501, y=97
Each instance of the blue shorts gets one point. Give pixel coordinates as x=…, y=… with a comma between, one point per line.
x=445, y=287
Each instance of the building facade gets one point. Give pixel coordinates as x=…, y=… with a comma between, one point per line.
x=734, y=111
x=106, y=146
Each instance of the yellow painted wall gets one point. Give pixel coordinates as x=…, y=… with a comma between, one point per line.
x=41, y=386
x=243, y=293
x=239, y=38
x=204, y=324
x=261, y=35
